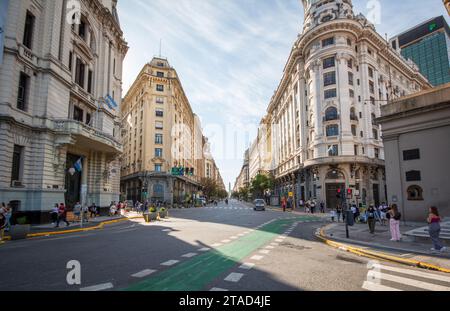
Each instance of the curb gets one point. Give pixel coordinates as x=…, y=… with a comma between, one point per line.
x=320, y=234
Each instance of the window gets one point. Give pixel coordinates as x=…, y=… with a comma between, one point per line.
x=77, y=114
x=332, y=130
x=82, y=29
x=159, y=113
x=16, y=163
x=351, y=93
x=355, y=148
x=70, y=60
x=160, y=100
x=353, y=116
x=350, y=78
x=160, y=88
x=88, y=118
x=330, y=93
x=361, y=134
x=350, y=63
x=158, y=168
x=371, y=87
x=331, y=114
x=415, y=193
x=329, y=78
x=333, y=151
x=377, y=153
x=158, y=139
x=349, y=42
x=160, y=74
x=372, y=100
x=363, y=150
x=328, y=62
x=79, y=72
x=370, y=72
x=114, y=66
x=413, y=154
x=327, y=42
x=22, y=95
x=158, y=152
x=413, y=176
x=28, y=31
x=375, y=134
x=159, y=125
x=160, y=64
x=90, y=82
x=354, y=130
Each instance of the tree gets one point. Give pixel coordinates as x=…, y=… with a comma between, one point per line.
x=210, y=188
x=260, y=184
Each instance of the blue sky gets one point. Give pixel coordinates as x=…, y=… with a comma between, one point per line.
x=230, y=55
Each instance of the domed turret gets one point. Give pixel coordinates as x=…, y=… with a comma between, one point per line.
x=321, y=11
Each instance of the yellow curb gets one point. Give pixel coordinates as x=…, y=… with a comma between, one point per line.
x=377, y=255
x=99, y=226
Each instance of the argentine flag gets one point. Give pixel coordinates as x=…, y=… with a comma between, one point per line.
x=78, y=166
x=110, y=102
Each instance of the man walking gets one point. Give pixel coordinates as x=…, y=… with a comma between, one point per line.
x=62, y=215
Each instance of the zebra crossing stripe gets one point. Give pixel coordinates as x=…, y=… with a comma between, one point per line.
x=374, y=287
x=405, y=281
x=414, y=273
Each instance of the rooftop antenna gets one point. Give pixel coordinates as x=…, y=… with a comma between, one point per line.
x=160, y=47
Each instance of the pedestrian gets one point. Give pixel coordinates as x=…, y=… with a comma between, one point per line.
x=383, y=212
x=62, y=215
x=54, y=214
x=6, y=211
x=353, y=209
x=85, y=210
x=283, y=204
x=322, y=207
x=289, y=203
x=77, y=211
x=333, y=215
x=112, y=209
x=313, y=206
x=93, y=210
x=2, y=226
x=339, y=212
x=394, y=221
x=301, y=204
x=371, y=218
x=434, y=228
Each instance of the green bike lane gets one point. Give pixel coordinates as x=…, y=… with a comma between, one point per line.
x=196, y=273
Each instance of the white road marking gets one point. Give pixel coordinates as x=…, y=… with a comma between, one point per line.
x=275, y=244
x=241, y=234
x=216, y=245
x=189, y=255
x=257, y=257
x=405, y=281
x=414, y=273
x=233, y=238
x=270, y=247
x=226, y=241
x=143, y=273
x=96, y=288
x=234, y=277
x=167, y=230
x=204, y=249
x=378, y=287
x=278, y=240
x=264, y=251
x=217, y=289
x=247, y=266
x=170, y=263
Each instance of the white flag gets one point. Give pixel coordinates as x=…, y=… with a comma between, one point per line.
x=129, y=121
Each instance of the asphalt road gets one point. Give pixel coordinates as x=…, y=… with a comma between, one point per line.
x=219, y=248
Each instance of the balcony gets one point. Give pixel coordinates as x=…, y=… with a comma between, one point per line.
x=353, y=117
x=73, y=132
x=331, y=118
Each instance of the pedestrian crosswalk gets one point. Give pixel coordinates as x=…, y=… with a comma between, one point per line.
x=390, y=278
x=227, y=208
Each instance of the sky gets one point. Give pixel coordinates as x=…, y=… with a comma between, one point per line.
x=230, y=55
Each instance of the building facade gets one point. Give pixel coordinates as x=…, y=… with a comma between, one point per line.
x=416, y=131
x=60, y=90
x=164, y=158
x=322, y=116
x=428, y=45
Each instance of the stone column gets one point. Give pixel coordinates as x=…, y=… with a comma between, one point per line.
x=316, y=104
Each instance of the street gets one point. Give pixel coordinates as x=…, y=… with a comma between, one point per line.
x=223, y=248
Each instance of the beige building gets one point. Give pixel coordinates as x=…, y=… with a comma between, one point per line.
x=56, y=72
x=323, y=133
x=164, y=146
x=416, y=131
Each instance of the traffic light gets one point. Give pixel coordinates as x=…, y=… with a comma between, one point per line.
x=350, y=191
x=338, y=193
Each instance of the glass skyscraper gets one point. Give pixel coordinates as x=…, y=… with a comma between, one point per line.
x=428, y=45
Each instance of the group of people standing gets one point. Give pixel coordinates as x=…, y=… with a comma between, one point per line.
x=5, y=218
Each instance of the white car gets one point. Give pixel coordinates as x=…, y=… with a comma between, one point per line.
x=260, y=205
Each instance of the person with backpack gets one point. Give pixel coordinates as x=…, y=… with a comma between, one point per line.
x=371, y=220
x=394, y=217
x=434, y=228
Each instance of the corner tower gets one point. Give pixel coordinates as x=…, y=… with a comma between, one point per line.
x=321, y=11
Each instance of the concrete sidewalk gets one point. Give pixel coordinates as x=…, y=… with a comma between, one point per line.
x=407, y=248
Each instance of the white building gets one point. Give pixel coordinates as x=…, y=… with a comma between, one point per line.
x=324, y=135
x=58, y=62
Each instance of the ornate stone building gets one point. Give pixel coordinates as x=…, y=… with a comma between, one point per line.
x=324, y=135
x=59, y=64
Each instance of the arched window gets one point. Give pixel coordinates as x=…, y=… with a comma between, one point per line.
x=333, y=130
x=331, y=114
x=373, y=119
x=415, y=193
x=353, y=114
x=335, y=174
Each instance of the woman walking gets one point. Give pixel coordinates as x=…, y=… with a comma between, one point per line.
x=434, y=228
x=339, y=213
x=394, y=220
x=371, y=220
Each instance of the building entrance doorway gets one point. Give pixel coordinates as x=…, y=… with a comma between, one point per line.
x=72, y=182
x=332, y=190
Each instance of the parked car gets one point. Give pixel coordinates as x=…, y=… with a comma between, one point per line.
x=260, y=205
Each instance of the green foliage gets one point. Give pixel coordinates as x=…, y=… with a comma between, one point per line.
x=22, y=220
x=260, y=184
x=162, y=210
x=152, y=210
